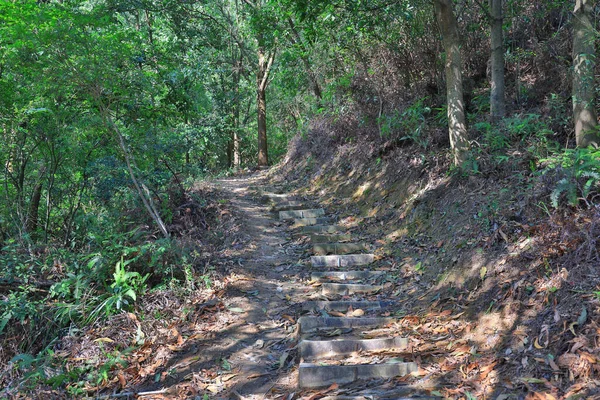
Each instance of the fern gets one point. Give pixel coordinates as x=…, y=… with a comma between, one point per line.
x=582, y=170
x=564, y=185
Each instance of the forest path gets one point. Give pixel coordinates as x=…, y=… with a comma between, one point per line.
x=333, y=289
x=265, y=283
x=289, y=325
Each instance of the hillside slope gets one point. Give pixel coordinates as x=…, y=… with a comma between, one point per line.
x=484, y=248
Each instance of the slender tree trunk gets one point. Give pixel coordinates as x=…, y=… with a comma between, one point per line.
x=454, y=90
x=262, y=80
x=237, y=160
x=34, y=207
x=497, y=102
x=584, y=62
x=148, y=204
x=261, y=103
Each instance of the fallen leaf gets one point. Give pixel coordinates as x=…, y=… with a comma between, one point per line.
x=483, y=272
x=552, y=364
x=289, y=318
x=104, y=340
x=320, y=394
x=537, y=345
x=588, y=357
x=213, y=389
x=225, y=378
x=567, y=360
x=236, y=310
x=533, y=380
x=484, y=371
x=504, y=237
x=358, y=313
x=122, y=380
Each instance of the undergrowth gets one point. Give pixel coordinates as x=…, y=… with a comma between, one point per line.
x=49, y=292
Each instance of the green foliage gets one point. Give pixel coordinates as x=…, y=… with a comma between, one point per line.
x=524, y=127
x=578, y=173
x=493, y=138
x=121, y=294
x=411, y=123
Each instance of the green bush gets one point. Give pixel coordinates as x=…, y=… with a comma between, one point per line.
x=578, y=174
x=411, y=123
x=523, y=127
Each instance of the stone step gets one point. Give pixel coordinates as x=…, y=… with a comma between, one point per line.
x=339, y=248
x=266, y=189
x=304, y=222
x=345, y=275
x=275, y=197
x=313, y=349
x=309, y=324
x=300, y=214
x=344, y=306
x=342, y=260
x=317, y=238
x=343, y=289
x=322, y=229
x=404, y=392
x=312, y=376
x=288, y=205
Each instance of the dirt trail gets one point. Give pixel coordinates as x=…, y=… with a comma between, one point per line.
x=254, y=352
x=265, y=281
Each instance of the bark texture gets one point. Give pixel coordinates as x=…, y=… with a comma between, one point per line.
x=454, y=88
x=497, y=102
x=584, y=61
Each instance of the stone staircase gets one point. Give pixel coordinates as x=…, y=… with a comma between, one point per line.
x=344, y=325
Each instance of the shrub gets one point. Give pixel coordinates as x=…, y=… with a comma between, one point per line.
x=578, y=174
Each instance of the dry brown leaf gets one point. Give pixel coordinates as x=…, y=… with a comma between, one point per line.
x=471, y=367
x=537, y=345
x=419, y=372
x=358, y=313
x=122, y=380
x=410, y=319
x=484, y=371
x=320, y=394
x=579, y=342
x=104, y=340
x=445, y=313
x=289, y=318
x=225, y=378
x=588, y=357
x=457, y=315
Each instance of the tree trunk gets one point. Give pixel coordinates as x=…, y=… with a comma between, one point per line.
x=261, y=103
x=584, y=60
x=147, y=202
x=454, y=91
x=262, y=80
x=497, y=103
x=34, y=207
x=235, y=137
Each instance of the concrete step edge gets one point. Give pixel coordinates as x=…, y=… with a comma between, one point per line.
x=312, y=376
